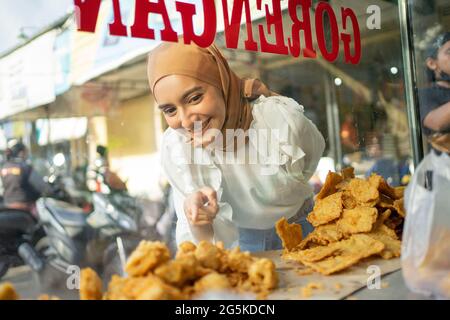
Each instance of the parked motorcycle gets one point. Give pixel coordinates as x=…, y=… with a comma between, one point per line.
x=76, y=238
x=65, y=235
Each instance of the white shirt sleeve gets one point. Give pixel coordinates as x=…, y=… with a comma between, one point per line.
x=183, y=232
x=299, y=140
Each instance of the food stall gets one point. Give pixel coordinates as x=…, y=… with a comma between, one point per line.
x=365, y=105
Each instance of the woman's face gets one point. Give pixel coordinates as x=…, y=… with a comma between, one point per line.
x=191, y=105
x=442, y=61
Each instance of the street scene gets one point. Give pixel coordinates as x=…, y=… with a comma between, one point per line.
x=217, y=150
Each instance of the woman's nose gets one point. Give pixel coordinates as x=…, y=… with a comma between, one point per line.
x=186, y=121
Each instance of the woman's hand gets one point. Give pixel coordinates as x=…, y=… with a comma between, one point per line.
x=201, y=207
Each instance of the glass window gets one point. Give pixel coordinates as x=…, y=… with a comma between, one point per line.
x=359, y=108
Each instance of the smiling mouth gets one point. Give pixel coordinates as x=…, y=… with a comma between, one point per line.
x=204, y=127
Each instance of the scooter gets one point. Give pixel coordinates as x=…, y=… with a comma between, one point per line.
x=75, y=238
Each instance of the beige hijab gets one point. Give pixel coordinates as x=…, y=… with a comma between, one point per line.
x=208, y=65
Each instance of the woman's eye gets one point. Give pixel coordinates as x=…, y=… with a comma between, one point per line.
x=169, y=111
x=195, y=98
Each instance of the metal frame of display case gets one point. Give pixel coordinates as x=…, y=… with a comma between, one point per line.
x=410, y=77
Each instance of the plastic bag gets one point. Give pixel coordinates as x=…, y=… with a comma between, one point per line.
x=426, y=235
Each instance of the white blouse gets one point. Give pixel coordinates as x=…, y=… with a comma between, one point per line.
x=251, y=193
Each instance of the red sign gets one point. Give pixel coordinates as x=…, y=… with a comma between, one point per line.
x=345, y=35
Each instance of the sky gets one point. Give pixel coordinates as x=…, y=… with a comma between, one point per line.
x=33, y=15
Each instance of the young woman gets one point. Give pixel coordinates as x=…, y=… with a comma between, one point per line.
x=237, y=156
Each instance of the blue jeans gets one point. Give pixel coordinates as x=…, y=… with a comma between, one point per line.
x=254, y=240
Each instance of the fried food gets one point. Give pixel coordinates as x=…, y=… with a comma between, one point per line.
x=158, y=290
x=394, y=222
x=290, y=234
x=237, y=279
x=348, y=173
x=305, y=271
x=196, y=268
x=179, y=271
x=212, y=281
x=307, y=291
x=385, y=202
x=338, y=286
x=357, y=220
x=8, y=292
x=237, y=261
x=382, y=217
x=329, y=186
x=375, y=180
x=382, y=186
x=399, y=192
x=335, y=264
x=146, y=257
x=392, y=246
x=149, y=287
x=322, y=235
x=313, y=254
x=185, y=248
x=363, y=191
x=348, y=201
x=262, y=275
x=353, y=219
x=399, y=207
x=326, y=210
x=341, y=255
x=328, y=233
x=90, y=285
x=208, y=255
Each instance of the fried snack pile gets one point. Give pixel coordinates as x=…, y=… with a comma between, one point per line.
x=353, y=219
x=152, y=275
x=7, y=292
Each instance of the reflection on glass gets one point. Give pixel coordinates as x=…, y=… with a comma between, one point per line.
x=359, y=109
x=431, y=29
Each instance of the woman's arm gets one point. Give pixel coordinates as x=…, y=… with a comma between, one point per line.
x=439, y=118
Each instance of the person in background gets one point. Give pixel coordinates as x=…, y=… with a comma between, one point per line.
x=22, y=185
x=435, y=100
x=349, y=133
x=384, y=166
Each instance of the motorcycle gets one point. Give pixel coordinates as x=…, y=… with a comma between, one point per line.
x=75, y=238
x=65, y=235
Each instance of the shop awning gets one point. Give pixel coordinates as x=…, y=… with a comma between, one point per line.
x=58, y=130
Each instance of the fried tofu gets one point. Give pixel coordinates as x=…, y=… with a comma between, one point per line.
x=329, y=187
x=8, y=292
x=290, y=234
x=357, y=220
x=326, y=210
x=354, y=219
x=90, y=285
x=340, y=255
x=146, y=257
